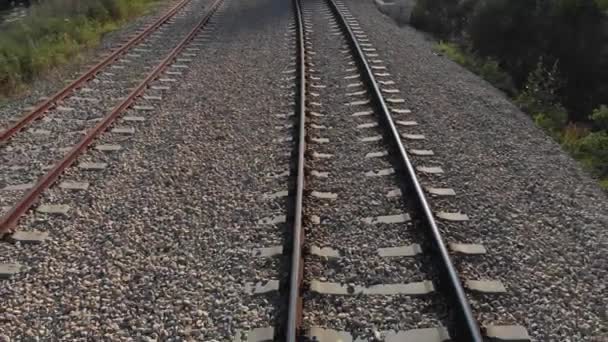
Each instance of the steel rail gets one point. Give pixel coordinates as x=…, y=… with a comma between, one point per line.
x=294, y=315
x=467, y=328
x=10, y=219
x=40, y=109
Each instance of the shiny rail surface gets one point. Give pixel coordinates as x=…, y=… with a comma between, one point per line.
x=465, y=326
x=294, y=316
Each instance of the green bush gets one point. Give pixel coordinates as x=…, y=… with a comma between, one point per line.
x=491, y=71
x=553, y=120
x=453, y=52
x=53, y=33
x=540, y=92
x=600, y=117
x=539, y=98
x=592, y=150
x=571, y=136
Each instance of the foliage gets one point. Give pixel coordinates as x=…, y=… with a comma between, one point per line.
x=552, y=120
x=599, y=117
x=592, y=150
x=602, y=4
x=54, y=32
x=503, y=29
x=540, y=91
x=552, y=54
x=539, y=98
x=453, y=52
x=577, y=33
x=516, y=34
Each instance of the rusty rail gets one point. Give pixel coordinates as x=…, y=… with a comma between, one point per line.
x=10, y=220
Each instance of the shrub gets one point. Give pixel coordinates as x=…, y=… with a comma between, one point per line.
x=491, y=71
x=453, y=52
x=593, y=151
x=518, y=33
x=540, y=92
x=507, y=30
x=600, y=117
x=553, y=120
x=539, y=98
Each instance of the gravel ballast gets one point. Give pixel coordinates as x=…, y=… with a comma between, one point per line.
x=160, y=245
x=346, y=221
x=540, y=216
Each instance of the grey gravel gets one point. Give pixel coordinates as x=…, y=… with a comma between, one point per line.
x=541, y=218
x=160, y=245
x=346, y=142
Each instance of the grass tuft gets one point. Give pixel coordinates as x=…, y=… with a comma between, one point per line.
x=54, y=32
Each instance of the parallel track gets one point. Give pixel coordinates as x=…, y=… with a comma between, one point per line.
x=464, y=327
x=10, y=220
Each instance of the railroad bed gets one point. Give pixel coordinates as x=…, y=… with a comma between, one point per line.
x=247, y=171
x=376, y=265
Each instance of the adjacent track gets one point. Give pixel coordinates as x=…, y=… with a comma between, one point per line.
x=464, y=326
x=40, y=109
x=11, y=219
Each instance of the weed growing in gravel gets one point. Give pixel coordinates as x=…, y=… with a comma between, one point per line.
x=54, y=32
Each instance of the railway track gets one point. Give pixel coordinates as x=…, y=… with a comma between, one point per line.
x=369, y=258
x=115, y=94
